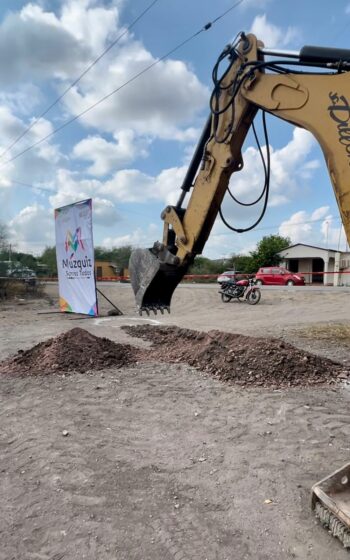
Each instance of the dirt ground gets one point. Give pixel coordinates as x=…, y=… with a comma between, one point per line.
x=162, y=461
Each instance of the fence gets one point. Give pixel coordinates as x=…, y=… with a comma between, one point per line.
x=201, y=277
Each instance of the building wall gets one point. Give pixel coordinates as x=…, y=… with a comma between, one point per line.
x=305, y=266
x=305, y=256
x=104, y=269
x=304, y=252
x=344, y=277
x=344, y=269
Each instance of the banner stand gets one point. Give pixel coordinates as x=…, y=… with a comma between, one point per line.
x=111, y=312
x=75, y=258
x=118, y=311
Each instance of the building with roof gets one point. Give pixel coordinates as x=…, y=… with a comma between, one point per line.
x=317, y=264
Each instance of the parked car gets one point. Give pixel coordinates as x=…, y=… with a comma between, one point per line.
x=276, y=275
x=23, y=273
x=229, y=275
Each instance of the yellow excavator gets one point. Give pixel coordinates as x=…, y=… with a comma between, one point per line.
x=253, y=79
x=309, y=89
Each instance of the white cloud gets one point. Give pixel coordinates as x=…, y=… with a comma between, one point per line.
x=162, y=100
x=70, y=189
x=290, y=168
x=23, y=100
x=333, y=233
x=35, y=45
x=107, y=156
x=38, y=45
x=127, y=185
x=131, y=185
x=318, y=228
x=89, y=23
x=37, y=165
x=320, y=213
x=32, y=229
x=272, y=35
x=247, y=4
x=297, y=227
x=104, y=212
x=138, y=238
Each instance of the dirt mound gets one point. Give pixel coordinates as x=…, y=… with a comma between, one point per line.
x=75, y=350
x=244, y=360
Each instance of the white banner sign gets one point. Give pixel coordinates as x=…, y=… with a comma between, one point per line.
x=75, y=258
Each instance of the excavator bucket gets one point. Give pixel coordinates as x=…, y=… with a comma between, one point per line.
x=331, y=503
x=153, y=280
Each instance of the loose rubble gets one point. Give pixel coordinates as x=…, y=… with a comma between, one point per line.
x=244, y=360
x=75, y=350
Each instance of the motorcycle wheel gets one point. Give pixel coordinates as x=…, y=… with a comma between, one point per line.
x=254, y=297
x=240, y=294
x=225, y=298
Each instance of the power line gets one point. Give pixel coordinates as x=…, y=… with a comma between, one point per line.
x=296, y=224
x=335, y=218
x=116, y=90
x=21, y=184
x=87, y=69
x=55, y=191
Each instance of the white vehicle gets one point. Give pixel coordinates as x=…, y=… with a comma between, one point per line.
x=228, y=275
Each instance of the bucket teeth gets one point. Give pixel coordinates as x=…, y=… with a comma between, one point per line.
x=333, y=524
x=155, y=274
x=148, y=308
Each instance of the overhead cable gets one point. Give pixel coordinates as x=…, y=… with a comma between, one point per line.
x=116, y=90
x=77, y=80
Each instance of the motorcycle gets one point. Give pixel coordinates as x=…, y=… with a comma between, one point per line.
x=241, y=290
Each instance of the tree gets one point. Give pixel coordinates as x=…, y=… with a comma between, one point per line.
x=118, y=255
x=203, y=265
x=121, y=256
x=49, y=258
x=266, y=252
x=3, y=236
x=243, y=263
x=26, y=259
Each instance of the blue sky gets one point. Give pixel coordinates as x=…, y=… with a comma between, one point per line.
x=131, y=152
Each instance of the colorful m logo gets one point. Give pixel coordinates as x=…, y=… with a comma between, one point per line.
x=73, y=241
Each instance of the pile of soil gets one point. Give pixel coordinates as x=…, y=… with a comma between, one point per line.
x=244, y=360
x=76, y=350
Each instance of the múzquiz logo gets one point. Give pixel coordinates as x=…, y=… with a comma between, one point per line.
x=74, y=241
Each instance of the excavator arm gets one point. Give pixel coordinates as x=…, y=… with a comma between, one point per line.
x=316, y=101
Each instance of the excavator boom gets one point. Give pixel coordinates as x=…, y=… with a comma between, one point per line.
x=316, y=101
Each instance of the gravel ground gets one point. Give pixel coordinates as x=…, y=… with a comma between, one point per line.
x=159, y=461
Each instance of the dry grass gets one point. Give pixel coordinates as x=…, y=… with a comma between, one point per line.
x=13, y=288
x=331, y=332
